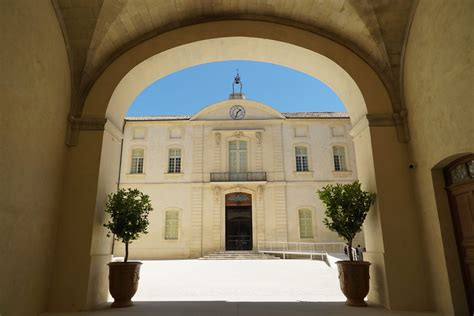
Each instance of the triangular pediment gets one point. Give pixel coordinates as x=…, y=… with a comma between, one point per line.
x=237, y=109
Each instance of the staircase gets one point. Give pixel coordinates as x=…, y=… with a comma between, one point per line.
x=237, y=255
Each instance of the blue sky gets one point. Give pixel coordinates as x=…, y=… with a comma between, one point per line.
x=189, y=90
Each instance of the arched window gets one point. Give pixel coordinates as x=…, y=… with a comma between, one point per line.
x=301, y=154
x=172, y=224
x=306, y=223
x=136, y=165
x=174, y=161
x=339, y=153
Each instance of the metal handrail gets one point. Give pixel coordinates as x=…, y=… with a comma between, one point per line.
x=303, y=247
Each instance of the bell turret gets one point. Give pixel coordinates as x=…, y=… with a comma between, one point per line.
x=237, y=82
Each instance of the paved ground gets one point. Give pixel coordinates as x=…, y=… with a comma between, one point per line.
x=238, y=281
x=238, y=288
x=241, y=309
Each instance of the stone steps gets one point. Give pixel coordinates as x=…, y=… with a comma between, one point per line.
x=238, y=255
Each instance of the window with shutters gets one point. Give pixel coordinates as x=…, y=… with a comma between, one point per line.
x=301, y=154
x=238, y=160
x=339, y=154
x=172, y=225
x=174, y=162
x=306, y=223
x=136, y=165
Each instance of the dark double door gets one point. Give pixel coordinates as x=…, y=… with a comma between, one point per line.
x=460, y=181
x=238, y=228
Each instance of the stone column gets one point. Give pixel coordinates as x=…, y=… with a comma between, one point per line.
x=391, y=229
x=80, y=279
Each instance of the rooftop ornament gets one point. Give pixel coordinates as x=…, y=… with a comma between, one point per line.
x=237, y=82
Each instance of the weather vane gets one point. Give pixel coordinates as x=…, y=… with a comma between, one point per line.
x=236, y=82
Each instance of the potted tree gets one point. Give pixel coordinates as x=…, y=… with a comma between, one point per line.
x=347, y=206
x=128, y=210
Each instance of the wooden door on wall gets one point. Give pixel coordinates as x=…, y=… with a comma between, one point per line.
x=460, y=185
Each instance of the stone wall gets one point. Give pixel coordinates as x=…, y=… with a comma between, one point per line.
x=438, y=90
x=35, y=102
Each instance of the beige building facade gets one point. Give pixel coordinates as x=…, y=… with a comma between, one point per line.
x=234, y=175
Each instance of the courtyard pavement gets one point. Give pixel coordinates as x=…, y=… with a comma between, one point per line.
x=238, y=288
x=238, y=281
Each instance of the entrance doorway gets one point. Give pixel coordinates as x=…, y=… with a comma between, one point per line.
x=460, y=185
x=238, y=221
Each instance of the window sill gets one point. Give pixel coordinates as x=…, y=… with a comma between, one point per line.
x=135, y=174
x=342, y=174
x=173, y=175
x=303, y=173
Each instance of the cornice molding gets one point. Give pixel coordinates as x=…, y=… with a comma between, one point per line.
x=77, y=124
x=397, y=120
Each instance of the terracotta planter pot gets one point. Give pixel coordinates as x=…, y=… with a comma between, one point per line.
x=123, y=282
x=354, y=281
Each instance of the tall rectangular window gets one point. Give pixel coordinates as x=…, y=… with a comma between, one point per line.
x=306, y=223
x=339, y=158
x=301, y=158
x=238, y=156
x=171, y=225
x=137, y=161
x=174, y=165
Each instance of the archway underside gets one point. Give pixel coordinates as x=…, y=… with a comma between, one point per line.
x=332, y=63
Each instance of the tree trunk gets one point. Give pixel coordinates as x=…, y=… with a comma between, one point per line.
x=126, y=252
x=351, y=258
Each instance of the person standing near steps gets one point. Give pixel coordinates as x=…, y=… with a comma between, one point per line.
x=359, y=253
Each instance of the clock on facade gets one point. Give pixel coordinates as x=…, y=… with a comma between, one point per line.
x=237, y=112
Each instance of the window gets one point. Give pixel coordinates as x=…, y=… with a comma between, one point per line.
x=339, y=158
x=306, y=223
x=301, y=158
x=174, y=165
x=237, y=156
x=171, y=224
x=137, y=161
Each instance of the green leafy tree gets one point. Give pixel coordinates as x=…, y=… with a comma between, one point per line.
x=128, y=210
x=347, y=206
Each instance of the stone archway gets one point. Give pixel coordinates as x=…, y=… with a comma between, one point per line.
x=93, y=163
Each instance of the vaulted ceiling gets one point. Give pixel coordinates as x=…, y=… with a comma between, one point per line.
x=97, y=31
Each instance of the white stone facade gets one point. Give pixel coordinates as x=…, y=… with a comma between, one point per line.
x=268, y=172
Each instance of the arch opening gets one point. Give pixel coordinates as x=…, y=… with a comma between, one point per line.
x=233, y=48
x=358, y=86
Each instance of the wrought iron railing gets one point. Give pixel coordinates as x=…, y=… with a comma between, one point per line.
x=238, y=176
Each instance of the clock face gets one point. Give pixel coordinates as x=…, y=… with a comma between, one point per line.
x=237, y=112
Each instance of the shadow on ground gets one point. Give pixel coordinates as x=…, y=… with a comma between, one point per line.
x=223, y=308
